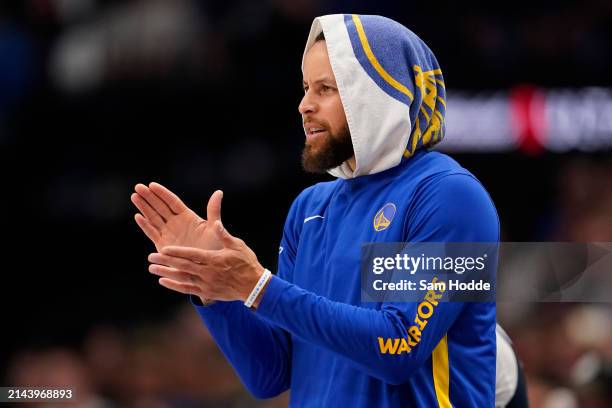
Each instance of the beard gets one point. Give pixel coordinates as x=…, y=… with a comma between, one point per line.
x=325, y=153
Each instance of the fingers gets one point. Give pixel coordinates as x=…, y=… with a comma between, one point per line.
x=143, y=206
x=154, y=201
x=174, y=274
x=175, y=253
x=183, y=264
x=213, y=209
x=171, y=199
x=181, y=287
x=150, y=231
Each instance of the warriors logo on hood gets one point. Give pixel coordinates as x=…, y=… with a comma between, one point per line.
x=391, y=88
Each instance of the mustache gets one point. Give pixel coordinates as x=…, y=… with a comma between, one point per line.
x=321, y=122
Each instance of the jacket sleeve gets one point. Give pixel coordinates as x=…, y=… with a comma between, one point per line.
x=353, y=332
x=258, y=350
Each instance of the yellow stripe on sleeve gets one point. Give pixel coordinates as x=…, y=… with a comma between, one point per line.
x=441, y=373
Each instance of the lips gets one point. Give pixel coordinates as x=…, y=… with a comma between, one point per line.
x=313, y=131
x=312, y=128
x=314, y=136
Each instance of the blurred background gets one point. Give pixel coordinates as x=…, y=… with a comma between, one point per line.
x=97, y=95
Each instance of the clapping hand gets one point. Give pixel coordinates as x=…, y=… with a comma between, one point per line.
x=166, y=220
x=194, y=256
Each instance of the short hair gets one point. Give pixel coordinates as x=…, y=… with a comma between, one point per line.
x=320, y=37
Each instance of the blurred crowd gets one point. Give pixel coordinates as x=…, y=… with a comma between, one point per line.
x=566, y=347
x=174, y=363
x=96, y=95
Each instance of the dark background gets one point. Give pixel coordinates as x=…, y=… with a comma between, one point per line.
x=96, y=96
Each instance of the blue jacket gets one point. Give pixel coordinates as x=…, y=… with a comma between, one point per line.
x=312, y=334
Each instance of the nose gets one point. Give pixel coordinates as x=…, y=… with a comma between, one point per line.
x=307, y=105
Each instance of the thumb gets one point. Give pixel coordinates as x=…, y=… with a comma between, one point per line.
x=213, y=209
x=223, y=235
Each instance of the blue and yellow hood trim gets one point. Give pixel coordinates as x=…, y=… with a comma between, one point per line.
x=391, y=88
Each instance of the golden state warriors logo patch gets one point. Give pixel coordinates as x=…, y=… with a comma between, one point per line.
x=384, y=216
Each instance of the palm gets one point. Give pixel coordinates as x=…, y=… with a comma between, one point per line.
x=166, y=220
x=187, y=229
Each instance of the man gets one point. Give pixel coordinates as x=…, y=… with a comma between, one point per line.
x=373, y=106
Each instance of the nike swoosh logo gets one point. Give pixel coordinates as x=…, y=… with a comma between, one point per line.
x=312, y=218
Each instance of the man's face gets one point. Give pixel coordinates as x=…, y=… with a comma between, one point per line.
x=328, y=140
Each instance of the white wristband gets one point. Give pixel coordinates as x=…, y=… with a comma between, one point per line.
x=263, y=279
